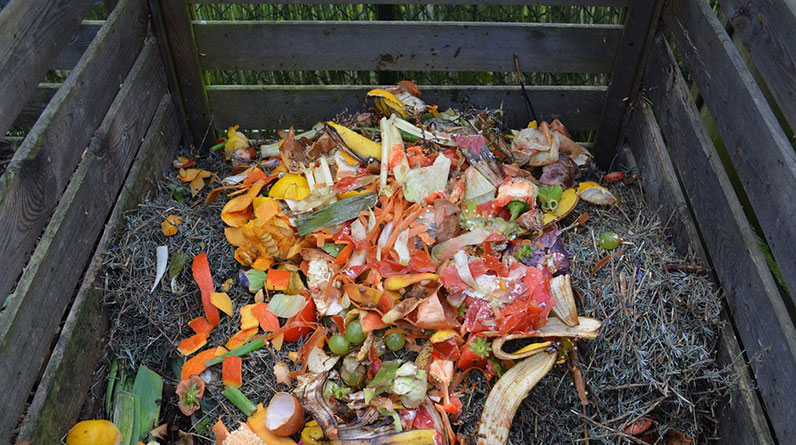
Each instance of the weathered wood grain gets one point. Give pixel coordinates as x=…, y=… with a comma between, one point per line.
x=757, y=308
x=421, y=46
x=32, y=316
x=69, y=374
x=768, y=30
x=661, y=188
x=36, y=104
x=758, y=147
x=268, y=107
x=640, y=24
x=77, y=45
x=742, y=416
x=32, y=33
x=28, y=195
x=176, y=22
x=433, y=2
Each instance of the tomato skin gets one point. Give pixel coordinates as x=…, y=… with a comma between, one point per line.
x=307, y=315
x=446, y=350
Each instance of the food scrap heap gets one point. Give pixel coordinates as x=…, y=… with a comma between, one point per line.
x=405, y=249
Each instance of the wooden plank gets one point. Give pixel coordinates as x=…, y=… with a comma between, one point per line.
x=176, y=20
x=661, y=188
x=742, y=416
x=69, y=374
x=430, y=2
x=36, y=104
x=756, y=305
x=268, y=107
x=74, y=50
x=757, y=145
x=28, y=195
x=55, y=268
x=768, y=30
x=32, y=34
x=640, y=25
x=172, y=78
x=416, y=46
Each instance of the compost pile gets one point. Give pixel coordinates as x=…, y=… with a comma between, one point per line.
x=406, y=274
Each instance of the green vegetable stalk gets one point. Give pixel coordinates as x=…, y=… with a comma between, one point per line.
x=240, y=400
x=517, y=207
x=549, y=197
x=239, y=351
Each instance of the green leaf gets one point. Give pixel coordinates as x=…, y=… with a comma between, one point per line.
x=336, y=213
x=177, y=264
x=256, y=279
x=148, y=388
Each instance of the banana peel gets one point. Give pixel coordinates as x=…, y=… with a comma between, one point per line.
x=387, y=103
x=587, y=328
x=527, y=351
x=508, y=392
x=564, y=308
x=358, y=146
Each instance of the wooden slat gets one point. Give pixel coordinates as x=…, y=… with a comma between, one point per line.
x=45, y=289
x=757, y=307
x=640, y=25
x=28, y=195
x=36, y=104
x=32, y=34
x=268, y=107
x=172, y=16
x=420, y=46
x=430, y=2
x=758, y=147
x=743, y=418
x=74, y=50
x=69, y=373
x=661, y=188
x=768, y=30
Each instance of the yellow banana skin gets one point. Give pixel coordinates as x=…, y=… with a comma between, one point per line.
x=357, y=145
x=387, y=103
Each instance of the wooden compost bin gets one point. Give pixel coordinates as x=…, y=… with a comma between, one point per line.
x=135, y=91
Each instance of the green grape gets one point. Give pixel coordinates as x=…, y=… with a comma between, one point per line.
x=353, y=332
x=338, y=344
x=609, y=240
x=395, y=341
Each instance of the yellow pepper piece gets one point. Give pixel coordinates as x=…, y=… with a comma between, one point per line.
x=443, y=335
x=312, y=434
x=290, y=186
x=567, y=203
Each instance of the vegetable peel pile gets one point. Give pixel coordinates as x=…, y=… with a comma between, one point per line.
x=383, y=272
x=420, y=239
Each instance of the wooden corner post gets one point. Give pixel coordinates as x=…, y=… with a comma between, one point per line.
x=173, y=19
x=640, y=24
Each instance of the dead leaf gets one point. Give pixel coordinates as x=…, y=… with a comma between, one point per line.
x=676, y=437
x=282, y=373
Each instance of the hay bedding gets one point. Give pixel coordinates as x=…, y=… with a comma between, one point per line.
x=655, y=354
